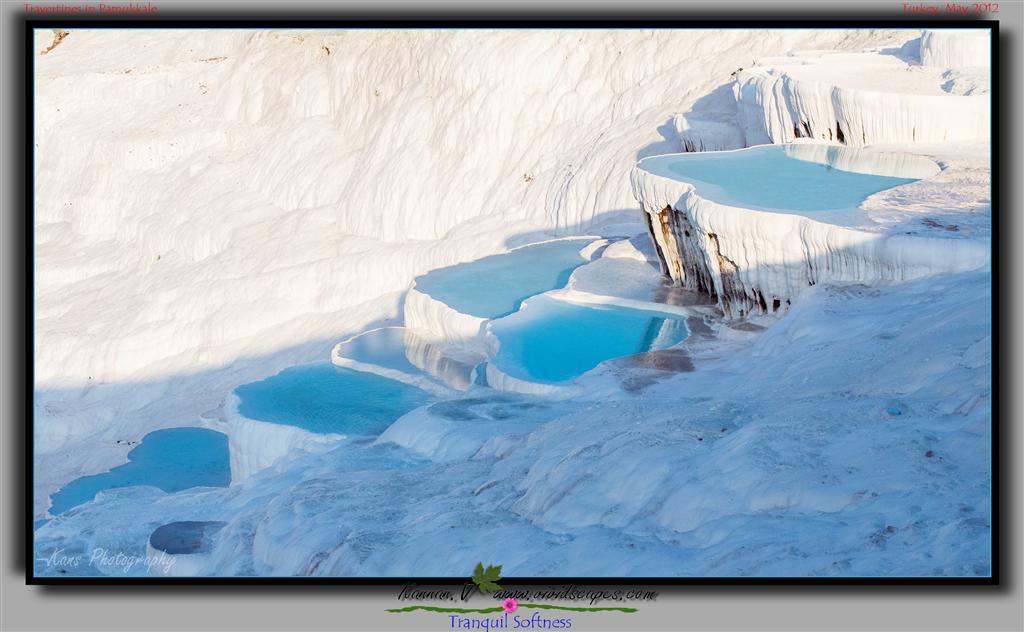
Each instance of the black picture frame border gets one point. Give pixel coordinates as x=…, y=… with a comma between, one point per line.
x=515, y=20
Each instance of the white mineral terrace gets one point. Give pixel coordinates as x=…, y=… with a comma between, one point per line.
x=757, y=262
x=863, y=98
x=255, y=445
x=277, y=197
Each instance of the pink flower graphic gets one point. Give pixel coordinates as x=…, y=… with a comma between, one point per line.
x=510, y=605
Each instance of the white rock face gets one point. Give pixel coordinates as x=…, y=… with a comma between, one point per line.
x=860, y=99
x=757, y=262
x=700, y=134
x=436, y=321
x=637, y=248
x=956, y=48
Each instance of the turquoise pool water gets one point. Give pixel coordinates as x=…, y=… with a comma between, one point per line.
x=496, y=286
x=382, y=347
x=769, y=178
x=173, y=459
x=553, y=341
x=323, y=398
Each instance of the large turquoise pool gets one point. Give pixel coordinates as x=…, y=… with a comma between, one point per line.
x=496, y=286
x=779, y=178
x=323, y=398
x=553, y=341
x=172, y=460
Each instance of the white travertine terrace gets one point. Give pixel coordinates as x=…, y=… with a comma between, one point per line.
x=956, y=48
x=256, y=445
x=858, y=99
x=757, y=262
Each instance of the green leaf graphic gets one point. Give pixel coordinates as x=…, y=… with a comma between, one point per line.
x=486, y=580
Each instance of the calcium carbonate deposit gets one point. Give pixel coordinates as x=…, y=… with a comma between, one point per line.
x=577, y=302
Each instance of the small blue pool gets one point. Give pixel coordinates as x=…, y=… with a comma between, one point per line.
x=775, y=178
x=323, y=398
x=553, y=341
x=496, y=286
x=185, y=538
x=172, y=460
x=383, y=347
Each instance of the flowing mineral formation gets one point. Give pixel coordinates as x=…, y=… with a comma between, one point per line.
x=754, y=262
